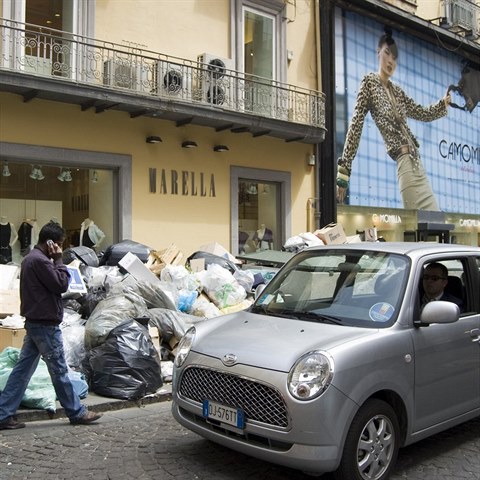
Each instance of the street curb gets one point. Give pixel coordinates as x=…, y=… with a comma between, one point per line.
x=96, y=403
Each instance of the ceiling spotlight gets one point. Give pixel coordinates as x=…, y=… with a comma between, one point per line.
x=36, y=173
x=252, y=189
x=153, y=139
x=6, y=170
x=220, y=148
x=189, y=144
x=40, y=175
x=94, y=177
x=65, y=175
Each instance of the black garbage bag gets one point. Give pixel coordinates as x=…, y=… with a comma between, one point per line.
x=85, y=254
x=114, y=253
x=126, y=365
x=212, y=258
x=90, y=300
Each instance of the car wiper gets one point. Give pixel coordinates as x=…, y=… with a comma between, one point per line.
x=259, y=309
x=264, y=310
x=312, y=316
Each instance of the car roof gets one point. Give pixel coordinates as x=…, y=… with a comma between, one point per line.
x=404, y=248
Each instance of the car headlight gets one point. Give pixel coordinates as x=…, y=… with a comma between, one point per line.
x=184, y=346
x=311, y=375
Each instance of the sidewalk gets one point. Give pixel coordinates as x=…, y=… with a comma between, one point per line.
x=97, y=403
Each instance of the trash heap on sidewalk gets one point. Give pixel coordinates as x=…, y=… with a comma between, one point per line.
x=126, y=310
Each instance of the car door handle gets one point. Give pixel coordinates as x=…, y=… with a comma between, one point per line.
x=474, y=333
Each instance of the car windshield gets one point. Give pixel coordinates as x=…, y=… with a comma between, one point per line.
x=345, y=287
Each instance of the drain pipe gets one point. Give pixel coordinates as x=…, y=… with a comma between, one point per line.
x=312, y=224
x=325, y=151
x=313, y=212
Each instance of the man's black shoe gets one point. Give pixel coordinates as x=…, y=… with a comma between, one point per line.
x=89, y=417
x=11, y=424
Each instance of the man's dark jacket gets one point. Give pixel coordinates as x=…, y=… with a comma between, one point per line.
x=42, y=282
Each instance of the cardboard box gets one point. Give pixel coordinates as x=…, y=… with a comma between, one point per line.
x=8, y=276
x=11, y=337
x=218, y=250
x=354, y=239
x=9, y=302
x=331, y=234
x=135, y=267
x=371, y=234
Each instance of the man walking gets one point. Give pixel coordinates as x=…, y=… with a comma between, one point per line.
x=43, y=279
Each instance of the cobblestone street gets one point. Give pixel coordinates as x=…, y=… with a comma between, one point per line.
x=146, y=443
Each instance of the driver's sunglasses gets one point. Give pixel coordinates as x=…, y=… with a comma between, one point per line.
x=434, y=278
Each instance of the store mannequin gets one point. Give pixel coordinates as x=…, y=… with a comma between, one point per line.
x=28, y=235
x=90, y=235
x=8, y=236
x=263, y=238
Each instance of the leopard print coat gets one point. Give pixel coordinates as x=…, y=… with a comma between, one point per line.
x=391, y=120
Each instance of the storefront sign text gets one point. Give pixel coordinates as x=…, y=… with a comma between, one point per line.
x=460, y=152
x=469, y=222
x=385, y=218
x=182, y=183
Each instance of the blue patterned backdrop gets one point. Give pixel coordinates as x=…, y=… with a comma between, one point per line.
x=424, y=71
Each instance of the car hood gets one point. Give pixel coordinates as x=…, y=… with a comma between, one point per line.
x=270, y=342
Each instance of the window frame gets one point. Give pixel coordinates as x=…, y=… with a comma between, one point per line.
x=284, y=207
x=272, y=8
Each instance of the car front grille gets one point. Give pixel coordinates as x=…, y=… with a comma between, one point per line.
x=259, y=402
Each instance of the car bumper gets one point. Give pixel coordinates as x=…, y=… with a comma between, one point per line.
x=312, y=441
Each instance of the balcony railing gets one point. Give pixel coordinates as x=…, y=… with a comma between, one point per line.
x=63, y=56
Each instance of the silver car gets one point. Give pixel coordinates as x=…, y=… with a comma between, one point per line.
x=338, y=364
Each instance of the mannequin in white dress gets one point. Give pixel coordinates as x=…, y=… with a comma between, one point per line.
x=90, y=234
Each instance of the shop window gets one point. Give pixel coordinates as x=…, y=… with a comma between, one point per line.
x=257, y=216
x=260, y=206
x=33, y=194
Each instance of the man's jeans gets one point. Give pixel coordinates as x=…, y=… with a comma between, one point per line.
x=44, y=341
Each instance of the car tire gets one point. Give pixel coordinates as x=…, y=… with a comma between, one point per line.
x=372, y=443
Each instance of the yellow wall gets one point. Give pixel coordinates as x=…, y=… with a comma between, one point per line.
x=172, y=27
x=179, y=28
x=302, y=69
x=429, y=9
x=158, y=219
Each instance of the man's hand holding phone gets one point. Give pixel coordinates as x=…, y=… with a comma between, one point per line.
x=54, y=250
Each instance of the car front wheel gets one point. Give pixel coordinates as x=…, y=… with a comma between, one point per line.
x=372, y=443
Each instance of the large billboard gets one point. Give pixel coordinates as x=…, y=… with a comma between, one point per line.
x=432, y=153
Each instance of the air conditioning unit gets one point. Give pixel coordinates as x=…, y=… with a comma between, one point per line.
x=123, y=73
x=216, y=81
x=173, y=80
x=460, y=14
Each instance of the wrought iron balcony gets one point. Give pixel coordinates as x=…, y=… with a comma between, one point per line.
x=58, y=65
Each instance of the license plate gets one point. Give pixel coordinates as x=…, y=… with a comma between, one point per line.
x=224, y=414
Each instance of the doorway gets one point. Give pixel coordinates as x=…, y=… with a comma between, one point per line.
x=260, y=202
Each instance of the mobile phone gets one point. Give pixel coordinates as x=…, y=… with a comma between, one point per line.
x=50, y=243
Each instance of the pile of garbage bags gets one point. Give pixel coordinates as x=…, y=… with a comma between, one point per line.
x=107, y=330
x=107, y=327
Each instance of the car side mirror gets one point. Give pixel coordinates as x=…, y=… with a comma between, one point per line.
x=260, y=288
x=439, y=312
